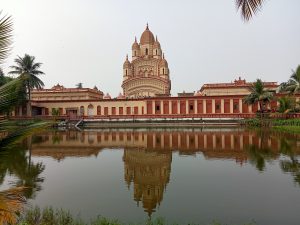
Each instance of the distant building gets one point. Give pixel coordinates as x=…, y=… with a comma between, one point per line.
x=148, y=72
x=238, y=87
x=59, y=92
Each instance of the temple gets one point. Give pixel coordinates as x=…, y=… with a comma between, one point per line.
x=148, y=73
x=146, y=94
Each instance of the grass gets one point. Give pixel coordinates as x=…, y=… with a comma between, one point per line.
x=50, y=216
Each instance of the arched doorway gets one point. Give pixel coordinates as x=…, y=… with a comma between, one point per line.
x=90, y=110
x=81, y=111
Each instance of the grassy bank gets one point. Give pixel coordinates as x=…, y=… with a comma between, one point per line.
x=49, y=216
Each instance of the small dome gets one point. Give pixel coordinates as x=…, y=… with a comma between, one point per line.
x=135, y=45
x=156, y=43
x=120, y=96
x=126, y=63
x=163, y=62
x=147, y=37
x=107, y=96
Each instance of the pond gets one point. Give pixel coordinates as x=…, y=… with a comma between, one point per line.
x=233, y=176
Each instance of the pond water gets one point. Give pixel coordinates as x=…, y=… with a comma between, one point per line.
x=232, y=176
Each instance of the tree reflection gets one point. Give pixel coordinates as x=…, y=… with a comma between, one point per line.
x=292, y=164
x=260, y=153
x=16, y=162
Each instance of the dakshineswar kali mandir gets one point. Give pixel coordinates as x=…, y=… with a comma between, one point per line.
x=148, y=73
x=146, y=93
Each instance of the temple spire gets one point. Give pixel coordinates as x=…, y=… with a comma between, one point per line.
x=147, y=27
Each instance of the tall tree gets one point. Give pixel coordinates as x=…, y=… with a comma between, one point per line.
x=248, y=7
x=28, y=69
x=258, y=94
x=293, y=84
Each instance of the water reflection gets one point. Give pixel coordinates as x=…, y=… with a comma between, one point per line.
x=147, y=155
x=149, y=171
x=27, y=181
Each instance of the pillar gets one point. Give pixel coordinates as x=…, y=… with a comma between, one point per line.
x=240, y=105
x=222, y=105
x=213, y=107
x=187, y=107
x=153, y=107
x=231, y=105
x=204, y=106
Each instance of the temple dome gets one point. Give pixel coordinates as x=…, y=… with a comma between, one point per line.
x=107, y=96
x=126, y=63
x=135, y=45
x=120, y=96
x=163, y=62
x=156, y=43
x=147, y=37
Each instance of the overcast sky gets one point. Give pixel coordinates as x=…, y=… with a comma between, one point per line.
x=204, y=41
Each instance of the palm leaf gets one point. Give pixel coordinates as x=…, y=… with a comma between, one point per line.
x=5, y=36
x=248, y=7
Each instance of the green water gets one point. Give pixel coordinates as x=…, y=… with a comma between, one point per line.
x=197, y=175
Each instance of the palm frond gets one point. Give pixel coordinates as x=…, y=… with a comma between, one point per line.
x=5, y=36
x=248, y=8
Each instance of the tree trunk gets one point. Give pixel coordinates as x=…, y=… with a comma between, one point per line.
x=29, y=102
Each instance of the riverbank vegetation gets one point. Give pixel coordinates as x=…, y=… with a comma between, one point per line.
x=50, y=216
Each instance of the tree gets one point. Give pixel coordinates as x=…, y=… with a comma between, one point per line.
x=259, y=94
x=293, y=84
x=79, y=85
x=248, y=7
x=286, y=104
x=28, y=69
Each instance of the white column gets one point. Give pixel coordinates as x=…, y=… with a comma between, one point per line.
x=162, y=107
x=213, y=108
x=195, y=107
x=204, y=106
x=250, y=108
x=178, y=107
x=153, y=107
x=222, y=105
x=170, y=107
x=231, y=105
x=240, y=105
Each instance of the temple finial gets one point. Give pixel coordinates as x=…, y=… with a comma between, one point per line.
x=147, y=27
x=156, y=38
x=126, y=56
x=163, y=55
x=135, y=39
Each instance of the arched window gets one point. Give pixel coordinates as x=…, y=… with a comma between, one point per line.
x=156, y=52
x=146, y=51
x=163, y=70
x=134, y=53
x=126, y=72
x=98, y=110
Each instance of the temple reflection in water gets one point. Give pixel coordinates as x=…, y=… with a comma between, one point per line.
x=147, y=154
x=149, y=171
